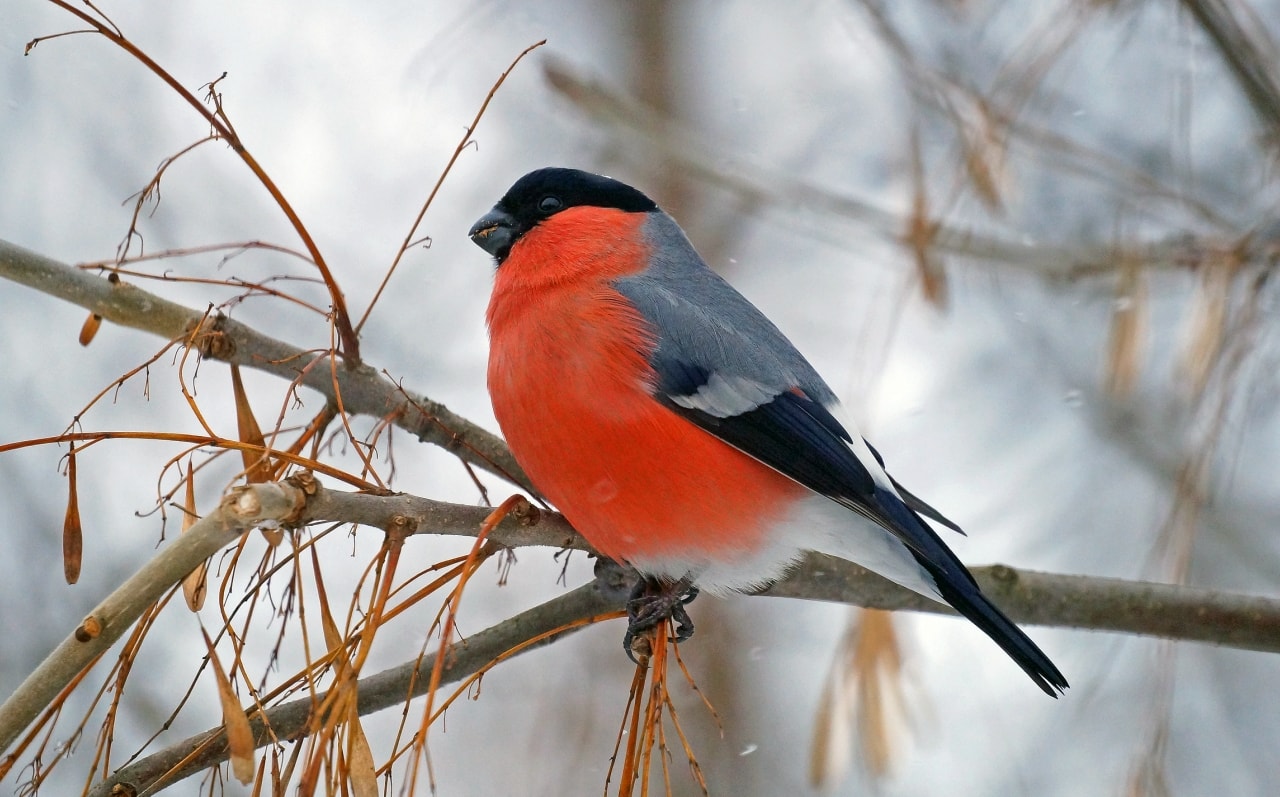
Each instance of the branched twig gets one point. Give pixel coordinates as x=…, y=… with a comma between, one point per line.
x=364, y=390
x=457, y=152
x=242, y=509
x=392, y=687
x=427, y=516
x=222, y=127
x=1242, y=621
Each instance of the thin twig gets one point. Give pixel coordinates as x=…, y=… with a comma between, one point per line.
x=364, y=390
x=219, y=122
x=1241, y=621
x=457, y=152
x=376, y=692
x=242, y=509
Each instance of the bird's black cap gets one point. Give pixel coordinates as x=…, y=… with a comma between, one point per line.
x=541, y=194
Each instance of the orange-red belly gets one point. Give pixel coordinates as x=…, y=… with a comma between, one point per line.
x=570, y=383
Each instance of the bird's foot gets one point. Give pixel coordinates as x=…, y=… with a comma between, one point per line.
x=654, y=601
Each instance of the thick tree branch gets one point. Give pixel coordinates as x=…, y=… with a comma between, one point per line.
x=1247, y=622
x=242, y=509
x=1192, y=614
x=1242, y=621
x=364, y=390
x=225, y=131
x=1229, y=619
x=289, y=721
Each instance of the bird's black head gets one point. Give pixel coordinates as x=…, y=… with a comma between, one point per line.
x=541, y=194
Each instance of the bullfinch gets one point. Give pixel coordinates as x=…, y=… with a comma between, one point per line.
x=673, y=424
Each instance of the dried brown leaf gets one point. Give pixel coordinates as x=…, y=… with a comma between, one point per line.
x=921, y=233
x=239, y=733
x=332, y=637
x=260, y=782
x=1206, y=322
x=72, y=532
x=195, y=584
x=257, y=468
x=877, y=663
x=984, y=158
x=830, y=754
x=360, y=766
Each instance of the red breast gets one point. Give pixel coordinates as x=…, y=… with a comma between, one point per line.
x=571, y=384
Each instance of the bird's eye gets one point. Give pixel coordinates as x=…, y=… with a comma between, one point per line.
x=550, y=204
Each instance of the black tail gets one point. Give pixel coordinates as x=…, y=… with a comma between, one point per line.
x=964, y=595
x=957, y=587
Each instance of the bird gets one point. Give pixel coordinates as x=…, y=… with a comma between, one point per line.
x=676, y=427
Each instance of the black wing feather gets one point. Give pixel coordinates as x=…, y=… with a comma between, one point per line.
x=801, y=439
x=785, y=435
x=912, y=500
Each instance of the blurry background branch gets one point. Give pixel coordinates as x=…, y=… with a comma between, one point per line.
x=815, y=207
x=1172, y=611
x=1248, y=51
x=1087, y=190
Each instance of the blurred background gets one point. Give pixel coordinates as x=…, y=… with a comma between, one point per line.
x=1028, y=243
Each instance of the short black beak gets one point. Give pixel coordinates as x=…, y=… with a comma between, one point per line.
x=495, y=232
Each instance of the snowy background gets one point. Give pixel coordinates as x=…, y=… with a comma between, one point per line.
x=786, y=142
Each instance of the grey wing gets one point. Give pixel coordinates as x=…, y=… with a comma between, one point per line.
x=724, y=366
x=733, y=374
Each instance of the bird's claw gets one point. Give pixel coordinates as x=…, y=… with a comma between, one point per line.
x=653, y=602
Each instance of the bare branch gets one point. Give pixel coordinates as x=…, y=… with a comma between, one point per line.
x=289, y=721
x=1192, y=614
x=242, y=509
x=1229, y=619
x=1233, y=620
x=221, y=124
x=1248, y=622
x=426, y=516
x=364, y=390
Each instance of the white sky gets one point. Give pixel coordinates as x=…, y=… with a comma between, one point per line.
x=992, y=410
